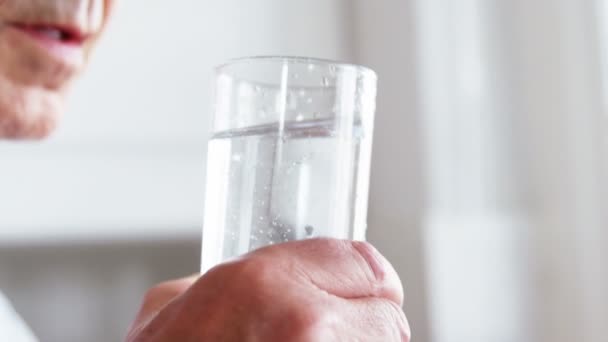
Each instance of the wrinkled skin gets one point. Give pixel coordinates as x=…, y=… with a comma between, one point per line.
x=304, y=291
x=33, y=82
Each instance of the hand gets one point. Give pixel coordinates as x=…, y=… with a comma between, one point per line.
x=311, y=290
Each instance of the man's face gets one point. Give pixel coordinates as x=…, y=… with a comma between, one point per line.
x=44, y=44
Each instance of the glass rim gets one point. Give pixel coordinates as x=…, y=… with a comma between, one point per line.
x=363, y=70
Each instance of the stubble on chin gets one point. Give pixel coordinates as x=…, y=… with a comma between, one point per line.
x=28, y=112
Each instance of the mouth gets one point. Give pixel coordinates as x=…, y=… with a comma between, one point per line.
x=64, y=44
x=54, y=33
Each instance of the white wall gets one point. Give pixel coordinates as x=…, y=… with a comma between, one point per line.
x=387, y=42
x=475, y=232
x=515, y=125
x=562, y=107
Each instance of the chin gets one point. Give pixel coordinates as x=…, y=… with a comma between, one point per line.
x=30, y=117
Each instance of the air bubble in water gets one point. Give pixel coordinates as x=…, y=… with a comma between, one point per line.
x=332, y=69
x=325, y=81
x=311, y=67
x=309, y=100
x=299, y=118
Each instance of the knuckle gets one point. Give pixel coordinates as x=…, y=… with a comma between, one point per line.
x=308, y=323
x=255, y=272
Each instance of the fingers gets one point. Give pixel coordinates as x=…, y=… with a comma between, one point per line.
x=157, y=298
x=347, y=269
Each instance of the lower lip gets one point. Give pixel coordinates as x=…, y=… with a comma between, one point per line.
x=66, y=52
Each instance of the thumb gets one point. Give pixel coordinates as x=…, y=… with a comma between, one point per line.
x=347, y=269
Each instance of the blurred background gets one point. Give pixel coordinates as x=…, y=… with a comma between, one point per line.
x=487, y=176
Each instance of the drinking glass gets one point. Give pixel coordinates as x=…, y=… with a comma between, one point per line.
x=289, y=154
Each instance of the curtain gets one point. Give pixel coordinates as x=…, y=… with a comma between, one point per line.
x=492, y=130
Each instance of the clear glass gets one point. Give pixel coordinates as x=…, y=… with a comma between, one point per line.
x=289, y=154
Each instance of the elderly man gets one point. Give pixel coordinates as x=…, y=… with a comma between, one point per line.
x=315, y=290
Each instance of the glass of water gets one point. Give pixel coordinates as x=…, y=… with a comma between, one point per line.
x=289, y=154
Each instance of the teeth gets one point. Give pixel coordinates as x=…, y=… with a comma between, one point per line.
x=50, y=33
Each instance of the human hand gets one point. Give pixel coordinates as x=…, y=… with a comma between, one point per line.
x=310, y=290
